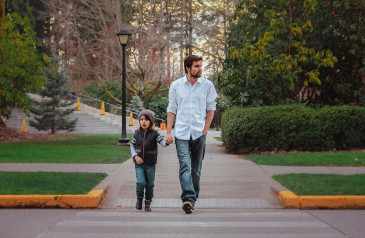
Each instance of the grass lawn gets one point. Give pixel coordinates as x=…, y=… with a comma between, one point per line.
x=92, y=149
x=310, y=159
x=218, y=138
x=323, y=184
x=15, y=183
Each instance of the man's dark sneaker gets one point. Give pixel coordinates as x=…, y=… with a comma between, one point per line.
x=188, y=207
x=147, y=205
x=139, y=203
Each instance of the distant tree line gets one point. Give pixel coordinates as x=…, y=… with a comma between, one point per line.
x=83, y=34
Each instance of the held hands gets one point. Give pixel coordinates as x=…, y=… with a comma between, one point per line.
x=138, y=159
x=169, y=139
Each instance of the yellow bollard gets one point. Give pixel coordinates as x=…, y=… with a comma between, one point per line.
x=131, y=119
x=42, y=89
x=102, y=112
x=24, y=128
x=78, y=105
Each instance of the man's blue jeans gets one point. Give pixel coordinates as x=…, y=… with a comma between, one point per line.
x=145, y=175
x=191, y=155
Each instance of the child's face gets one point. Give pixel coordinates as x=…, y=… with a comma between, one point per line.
x=144, y=122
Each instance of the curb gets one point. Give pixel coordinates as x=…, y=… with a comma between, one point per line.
x=90, y=200
x=290, y=200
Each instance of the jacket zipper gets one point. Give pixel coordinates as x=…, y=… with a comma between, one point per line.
x=144, y=139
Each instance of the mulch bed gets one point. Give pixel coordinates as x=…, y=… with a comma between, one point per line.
x=9, y=135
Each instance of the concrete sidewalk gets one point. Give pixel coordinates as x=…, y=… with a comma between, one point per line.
x=227, y=180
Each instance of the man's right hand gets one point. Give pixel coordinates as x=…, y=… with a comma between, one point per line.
x=169, y=139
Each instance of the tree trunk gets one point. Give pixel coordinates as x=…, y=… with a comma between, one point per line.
x=182, y=70
x=162, y=46
x=225, y=27
x=186, y=27
x=162, y=63
x=190, y=27
x=2, y=15
x=168, y=64
x=2, y=122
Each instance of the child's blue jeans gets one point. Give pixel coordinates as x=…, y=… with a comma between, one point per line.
x=145, y=174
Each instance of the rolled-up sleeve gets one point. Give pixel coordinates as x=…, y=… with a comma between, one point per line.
x=172, y=107
x=212, y=95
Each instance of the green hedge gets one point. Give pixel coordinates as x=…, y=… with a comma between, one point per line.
x=293, y=127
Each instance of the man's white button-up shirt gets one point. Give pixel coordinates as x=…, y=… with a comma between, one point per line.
x=190, y=103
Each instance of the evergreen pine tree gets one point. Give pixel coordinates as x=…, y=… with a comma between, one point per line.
x=51, y=111
x=136, y=104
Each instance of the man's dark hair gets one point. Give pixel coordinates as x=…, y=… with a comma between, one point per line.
x=188, y=62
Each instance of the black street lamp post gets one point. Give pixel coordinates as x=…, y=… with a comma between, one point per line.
x=123, y=36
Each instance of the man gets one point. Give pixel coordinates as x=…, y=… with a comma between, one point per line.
x=192, y=102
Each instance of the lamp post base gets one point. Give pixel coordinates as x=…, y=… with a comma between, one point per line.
x=124, y=141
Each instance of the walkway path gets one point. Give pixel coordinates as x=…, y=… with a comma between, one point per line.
x=242, y=190
x=228, y=180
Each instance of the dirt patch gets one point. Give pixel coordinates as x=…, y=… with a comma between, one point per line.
x=8, y=135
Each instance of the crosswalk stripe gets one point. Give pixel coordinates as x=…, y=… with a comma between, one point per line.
x=163, y=223
x=201, y=203
x=133, y=235
x=285, y=224
x=201, y=215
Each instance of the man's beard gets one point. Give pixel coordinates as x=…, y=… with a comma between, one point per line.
x=197, y=75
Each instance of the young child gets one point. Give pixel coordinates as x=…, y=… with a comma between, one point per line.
x=144, y=154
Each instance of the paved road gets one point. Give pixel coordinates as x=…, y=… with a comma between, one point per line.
x=258, y=223
x=237, y=200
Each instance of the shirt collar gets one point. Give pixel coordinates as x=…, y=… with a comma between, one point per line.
x=187, y=81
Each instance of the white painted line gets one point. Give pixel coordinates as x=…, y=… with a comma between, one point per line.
x=285, y=224
x=210, y=215
x=201, y=203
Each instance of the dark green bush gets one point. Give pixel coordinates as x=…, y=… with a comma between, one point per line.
x=345, y=125
x=293, y=127
x=158, y=103
x=96, y=90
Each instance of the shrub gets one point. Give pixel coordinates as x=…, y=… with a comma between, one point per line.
x=293, y=127
x=96, y=90
x=345, y=125
x=136, y=104
x=158, y=103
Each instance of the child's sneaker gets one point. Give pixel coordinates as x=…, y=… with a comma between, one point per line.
x=139, y=203
x=188, y=207
x=147, y=205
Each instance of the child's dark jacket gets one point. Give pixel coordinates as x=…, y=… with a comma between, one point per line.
x=144, y=144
